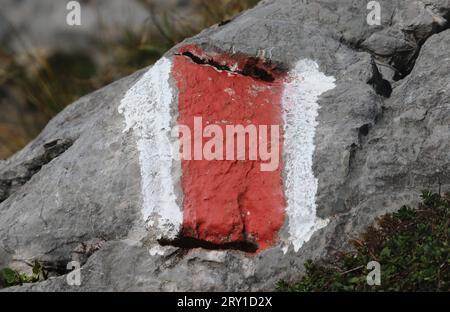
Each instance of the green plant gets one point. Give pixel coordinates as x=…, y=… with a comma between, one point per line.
x=411, y=245
x=10, y=277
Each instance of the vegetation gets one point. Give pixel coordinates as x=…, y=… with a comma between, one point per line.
x=40, y=85
x=411, y=245
x=10, y=277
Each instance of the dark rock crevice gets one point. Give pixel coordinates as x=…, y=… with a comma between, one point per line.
x=191, y=243
x=381, y=86
x=250, y=68
x=404, y=61
x=363, y=131
x=13, y=179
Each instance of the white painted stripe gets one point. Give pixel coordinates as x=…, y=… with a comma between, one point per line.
x=300, y=109
x=146, y=107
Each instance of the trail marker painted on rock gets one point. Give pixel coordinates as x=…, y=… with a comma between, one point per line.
x=219, y=203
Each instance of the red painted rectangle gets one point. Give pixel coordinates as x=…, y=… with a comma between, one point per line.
x=227, y=201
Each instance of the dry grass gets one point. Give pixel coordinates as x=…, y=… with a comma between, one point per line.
x=35, y=86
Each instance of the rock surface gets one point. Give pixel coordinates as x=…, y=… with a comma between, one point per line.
x=75, y=191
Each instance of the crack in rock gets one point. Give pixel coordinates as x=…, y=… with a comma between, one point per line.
x=404, y=61
x=250, y=67
x=380, y=85
x=12, y=180
x=191, y=243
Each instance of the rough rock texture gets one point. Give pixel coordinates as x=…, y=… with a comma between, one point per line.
x=373, y=153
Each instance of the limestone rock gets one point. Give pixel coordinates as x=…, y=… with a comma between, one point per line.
x=371, y=153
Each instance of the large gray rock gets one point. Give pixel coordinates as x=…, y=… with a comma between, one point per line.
x=75, y=191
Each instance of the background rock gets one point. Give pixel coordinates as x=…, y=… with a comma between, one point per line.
x=373, y=154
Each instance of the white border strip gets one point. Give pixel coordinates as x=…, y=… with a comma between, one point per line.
x=146, y=107
x=300, y=109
